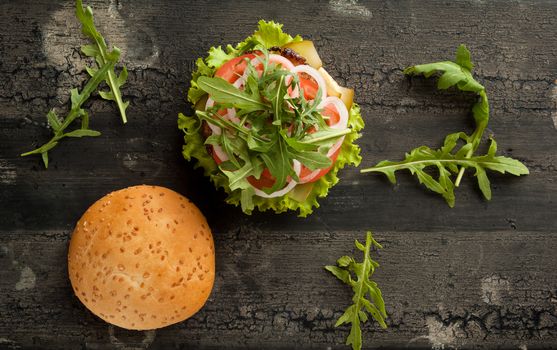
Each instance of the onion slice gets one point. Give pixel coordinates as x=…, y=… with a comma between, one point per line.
x=310, y=176
x=230, y=115
x=220, y=153
x=239, y=83
x=215, y=129
x=277, y=59
x=335, y=147
x=312, y=72
x=297, y=166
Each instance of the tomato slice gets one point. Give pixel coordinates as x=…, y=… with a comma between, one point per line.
x=233, y=69
x=331, y=112
x=306, y=172
x=215, y=157
x=266, y=180
x=310, y=88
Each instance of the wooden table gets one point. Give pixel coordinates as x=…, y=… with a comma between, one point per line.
x=481, y=275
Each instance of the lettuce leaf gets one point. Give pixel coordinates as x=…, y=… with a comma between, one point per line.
x=217, y=56
x=268, y=34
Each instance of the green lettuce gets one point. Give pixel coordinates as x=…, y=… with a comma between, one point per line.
x=268, y=34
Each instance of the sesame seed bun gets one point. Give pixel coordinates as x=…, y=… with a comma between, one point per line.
x=142, y=258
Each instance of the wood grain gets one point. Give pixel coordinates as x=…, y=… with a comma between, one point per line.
x=481, y=275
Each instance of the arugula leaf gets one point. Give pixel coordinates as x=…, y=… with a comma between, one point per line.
x=463, y=58
x=325, y=137
x=222, y=91
x=445, y=161
x=277, y=101
x=362, y=286
x=236, y=178
x=99, y=51
x=106, y=61
x=82, y=133
x=312, y=160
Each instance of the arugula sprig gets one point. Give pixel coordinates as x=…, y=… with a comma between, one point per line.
x=77, y=99
x=450, y=160
x=99, y=51
x=273, y=129
x=362, y=286
x=106, y=61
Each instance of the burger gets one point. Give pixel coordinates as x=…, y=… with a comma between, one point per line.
x=270, y=125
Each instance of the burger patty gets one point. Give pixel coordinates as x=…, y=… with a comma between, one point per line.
x=289, y=54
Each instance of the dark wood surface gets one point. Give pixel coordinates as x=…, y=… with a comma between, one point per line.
x=481, y=275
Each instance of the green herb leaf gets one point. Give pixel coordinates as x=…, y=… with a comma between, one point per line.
x=78, y=99
x=325, y=137
x=106, y=61
x=44, y=156
x=445, y=161
x=362, y=286
x=236, y=179
x=463, y=58
x=53, y=120
x=312, y=160
x=483, y=182
x=278, y=163
x=340, y=273
x=99, y=51
x=82, y=133
x=222, y=91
